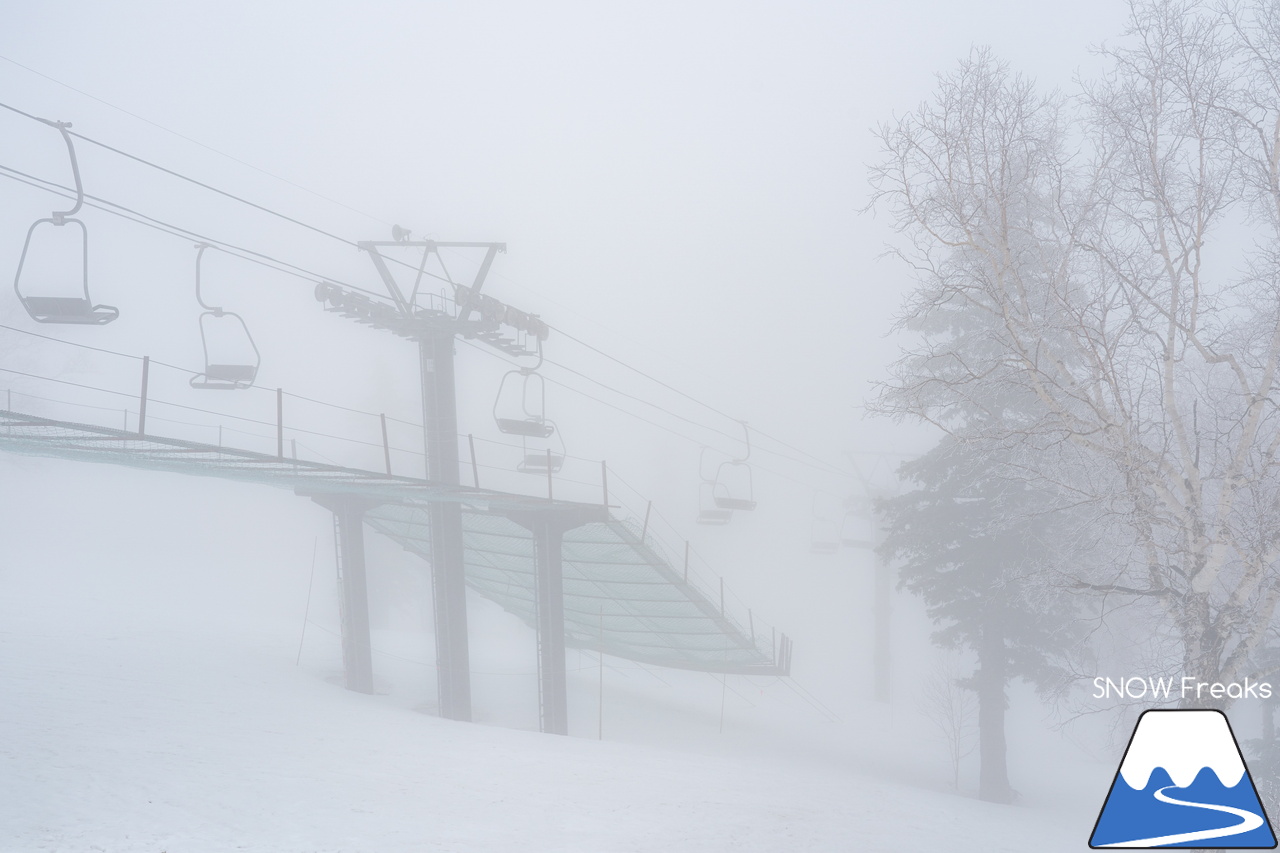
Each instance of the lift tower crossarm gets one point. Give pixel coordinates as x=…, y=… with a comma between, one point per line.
x=428, y=246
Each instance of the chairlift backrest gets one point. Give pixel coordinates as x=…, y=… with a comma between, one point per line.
x=70, y=305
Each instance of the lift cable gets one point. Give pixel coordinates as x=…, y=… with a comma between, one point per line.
x=270, y=262
x=823, y=465
x=144, y=161
x=705, y=405
x=445, y=278
x=643, y=419
x=260, y=258
x=189, y=139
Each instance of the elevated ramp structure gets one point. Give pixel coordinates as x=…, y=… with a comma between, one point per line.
x=576, y=574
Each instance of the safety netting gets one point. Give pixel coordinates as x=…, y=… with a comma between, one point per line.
x=623, y=595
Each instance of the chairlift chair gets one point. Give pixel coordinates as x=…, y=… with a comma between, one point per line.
x=76, y=309
x=849, y=535
x=822, y=536
x=534, y=460
x=724, y=498
x=732, y=484
x=222, y=375
x=824, y=533
x=709, y=511
x=521, y=418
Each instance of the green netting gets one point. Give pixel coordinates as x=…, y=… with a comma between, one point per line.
x=621, y=593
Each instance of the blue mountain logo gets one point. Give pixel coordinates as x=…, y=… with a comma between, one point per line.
x=1183, y=782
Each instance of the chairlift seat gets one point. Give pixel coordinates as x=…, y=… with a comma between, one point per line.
x=824, y=547
x=68, y=310
x=856, y=543
x=232, y=372
x=537, y=463
x=732, y=503
x=709, y=515
x=534, y=427
x=228, y=377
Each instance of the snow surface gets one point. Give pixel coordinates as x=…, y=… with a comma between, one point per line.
x=1183, y=743
x=151, y=702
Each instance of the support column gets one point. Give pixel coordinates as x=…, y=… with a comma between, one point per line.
x=448, y=572
x=883, y=639
x=883, y=642
x=353, y=591
x=553, y=698
x=548, y=527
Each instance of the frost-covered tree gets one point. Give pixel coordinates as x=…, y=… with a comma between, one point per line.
x=973, y=546
x=1123, y=248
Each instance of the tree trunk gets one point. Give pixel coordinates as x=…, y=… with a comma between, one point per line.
x=993, y=774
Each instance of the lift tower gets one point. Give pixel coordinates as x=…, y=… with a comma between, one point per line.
x=434, y=320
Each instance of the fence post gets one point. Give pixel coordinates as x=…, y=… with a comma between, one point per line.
x=386, y=445
x=604, y=481
x=475, y=468
x=280, y=422
x=142, y=399
x=644, y=531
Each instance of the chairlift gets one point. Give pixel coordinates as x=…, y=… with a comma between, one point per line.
x=822, y=537
x=223, y=375
x=709, y=510
x=534, y=460
x=77, y=309
x=851, y=536
x=824, y=533
x=734, y=485
x=512, y=409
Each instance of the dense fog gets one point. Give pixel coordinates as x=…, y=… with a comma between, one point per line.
x=905, y=373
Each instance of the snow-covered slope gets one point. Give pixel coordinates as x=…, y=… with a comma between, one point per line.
x=150, y=701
